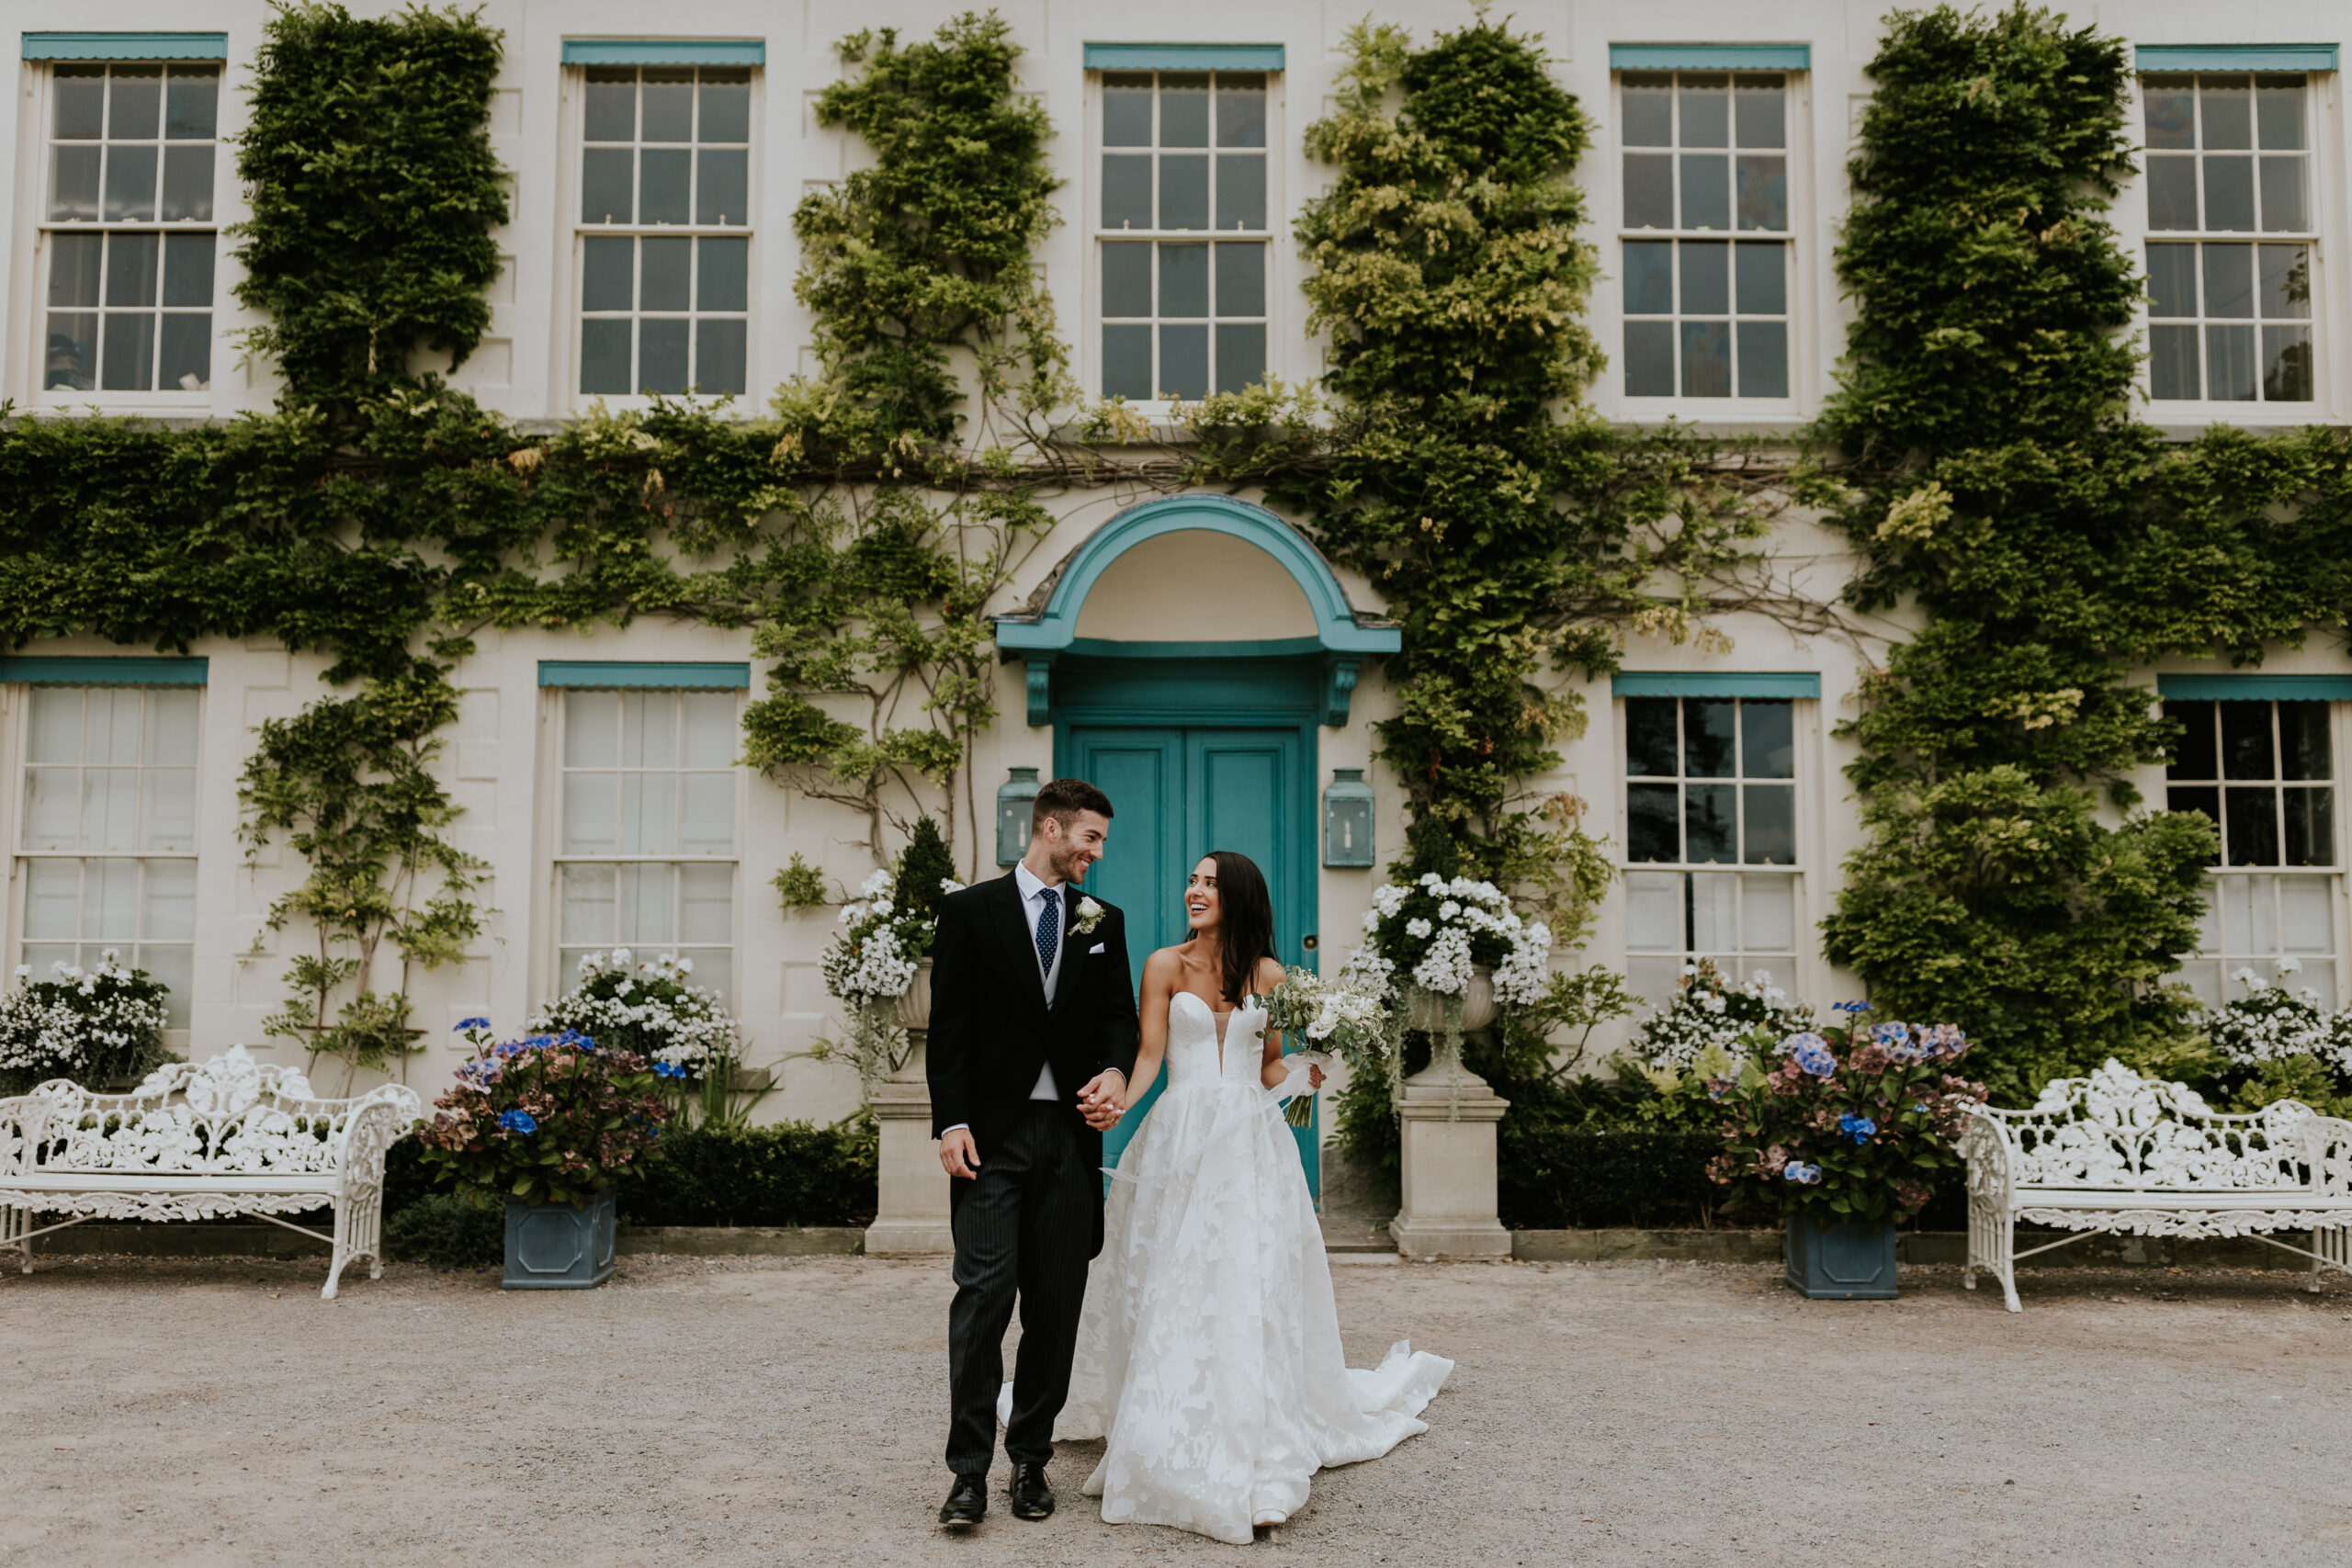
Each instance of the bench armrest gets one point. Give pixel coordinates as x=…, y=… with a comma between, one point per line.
x=382, y=1117
x=2327, y=1145
x=22, y=1119
x=1984, y=1143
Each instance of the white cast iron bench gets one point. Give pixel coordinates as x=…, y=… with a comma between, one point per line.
x=205, y=1141
x=2119, y=1154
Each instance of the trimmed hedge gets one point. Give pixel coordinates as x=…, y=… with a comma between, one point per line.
x=1574, y=1178
x=790, y=1174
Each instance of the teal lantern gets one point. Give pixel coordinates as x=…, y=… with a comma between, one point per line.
x=1014, y=799
x=1347, y=818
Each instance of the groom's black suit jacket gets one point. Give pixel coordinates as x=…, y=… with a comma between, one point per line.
x=990, y=1029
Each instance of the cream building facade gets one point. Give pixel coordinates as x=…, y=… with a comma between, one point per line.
x=1191, y=652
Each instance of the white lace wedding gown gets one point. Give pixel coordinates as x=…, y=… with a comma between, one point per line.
x=1208, y=1352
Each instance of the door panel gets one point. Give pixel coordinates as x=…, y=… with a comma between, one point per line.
x=1179, y=793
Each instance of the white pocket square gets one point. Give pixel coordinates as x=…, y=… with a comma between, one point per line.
x=1096, y=948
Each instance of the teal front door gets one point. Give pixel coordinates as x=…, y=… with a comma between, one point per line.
x=1176, y=793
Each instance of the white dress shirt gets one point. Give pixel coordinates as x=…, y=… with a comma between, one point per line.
x=1032, y=888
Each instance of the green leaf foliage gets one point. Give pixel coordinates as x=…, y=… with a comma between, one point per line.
x=374, y=193
x=1992, y=470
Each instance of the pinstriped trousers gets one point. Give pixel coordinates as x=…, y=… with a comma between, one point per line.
x=1026, y=1226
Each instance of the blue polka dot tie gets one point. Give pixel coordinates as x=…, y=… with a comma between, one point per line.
x=1049, y=931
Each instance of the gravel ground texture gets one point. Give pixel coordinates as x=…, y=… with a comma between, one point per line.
x=767, y=1410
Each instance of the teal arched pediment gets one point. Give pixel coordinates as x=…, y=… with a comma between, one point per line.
x=1046, y=634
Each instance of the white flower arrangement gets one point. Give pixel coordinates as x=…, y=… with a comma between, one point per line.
x=1706, y=1013
x=873, y=961
x=648, y=1007
x=105, y=1022
x=1435, y=931
x=2271, y=1023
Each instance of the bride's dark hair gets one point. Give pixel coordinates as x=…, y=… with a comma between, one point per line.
x=1246, y=925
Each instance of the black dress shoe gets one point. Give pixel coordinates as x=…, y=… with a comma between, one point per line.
x=967, y=1501
x=1031, y=1498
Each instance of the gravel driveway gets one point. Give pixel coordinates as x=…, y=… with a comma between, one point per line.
x=788, y=1411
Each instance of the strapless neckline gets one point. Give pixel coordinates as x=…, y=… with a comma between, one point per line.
x=1220, y=1022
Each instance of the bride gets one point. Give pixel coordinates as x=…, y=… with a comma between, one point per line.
x=1208, y=1348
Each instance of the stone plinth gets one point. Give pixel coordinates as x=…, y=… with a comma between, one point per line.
x=1449, y=1118
x=911, y=1209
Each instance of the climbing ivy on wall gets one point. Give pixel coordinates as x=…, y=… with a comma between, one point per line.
x=1991, y=467
x=374, y=192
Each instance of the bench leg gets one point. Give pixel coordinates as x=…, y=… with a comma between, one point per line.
x=1992, y=1247
x=342, y=1249
x=13, y=1223
x=2331, y=1248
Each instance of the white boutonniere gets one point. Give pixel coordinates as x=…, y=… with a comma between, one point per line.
x=1089, y=915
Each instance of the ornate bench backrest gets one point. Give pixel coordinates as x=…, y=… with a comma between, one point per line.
x=2120, y=1132
x=229, y=1116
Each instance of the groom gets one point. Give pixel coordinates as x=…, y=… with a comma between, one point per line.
x=1033, y=1030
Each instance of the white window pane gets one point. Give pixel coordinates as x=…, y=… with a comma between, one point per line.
x=649, y=729
x=114, y=723
x=38, y=959
x=2203, y=976
x=2303, y=915
x=111, y=901
x=174, y=965
x=591, y=806
x=710, y=730
x=2236, y=895
x=55, y=730
x=706, y=904
x=2208, y=924
x=1769, y=914
x=1654, y=911
x=52, y=902
x=647, y=904
x=109, y=809
x=1654, y=980
x=591, y=729
x=713, y=970
x=587, y=896
x=52, y=808
x=707, y=818
x=649, y=814
x=1714, y=911
x=170, y=808
x=168, y=901
x=2320, y=977
x=171, y=727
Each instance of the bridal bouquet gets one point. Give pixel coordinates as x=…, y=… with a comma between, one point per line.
x=1854, y=1121
x=1340, y=1016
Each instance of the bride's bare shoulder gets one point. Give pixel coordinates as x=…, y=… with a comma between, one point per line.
x=1165, y=963
x=1270, y=972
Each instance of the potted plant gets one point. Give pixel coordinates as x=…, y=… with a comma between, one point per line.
x=649, y=1007
x=879, y=962
x=1708, y=1011
x=1450, y=953
x=549, y=1124
x=102, y=1028
x=1843, y=1137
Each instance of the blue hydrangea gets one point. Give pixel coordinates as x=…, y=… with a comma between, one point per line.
x=518, y=1122
x=669, y=1070
x=1803, y=1175
x=1811, y=1054
x=466, y=1023
x=1850, y=1007
x=1861, y=1129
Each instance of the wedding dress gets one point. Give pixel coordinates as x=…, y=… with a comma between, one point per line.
x=1208, y=1349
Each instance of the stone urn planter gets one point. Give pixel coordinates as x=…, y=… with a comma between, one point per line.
x=561, y=1246
x=1427, y=1011
x=1840, y=1260
x=912, y=1009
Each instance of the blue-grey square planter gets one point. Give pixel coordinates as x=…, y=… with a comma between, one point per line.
x=1841, y=1260
x=559, y=1247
